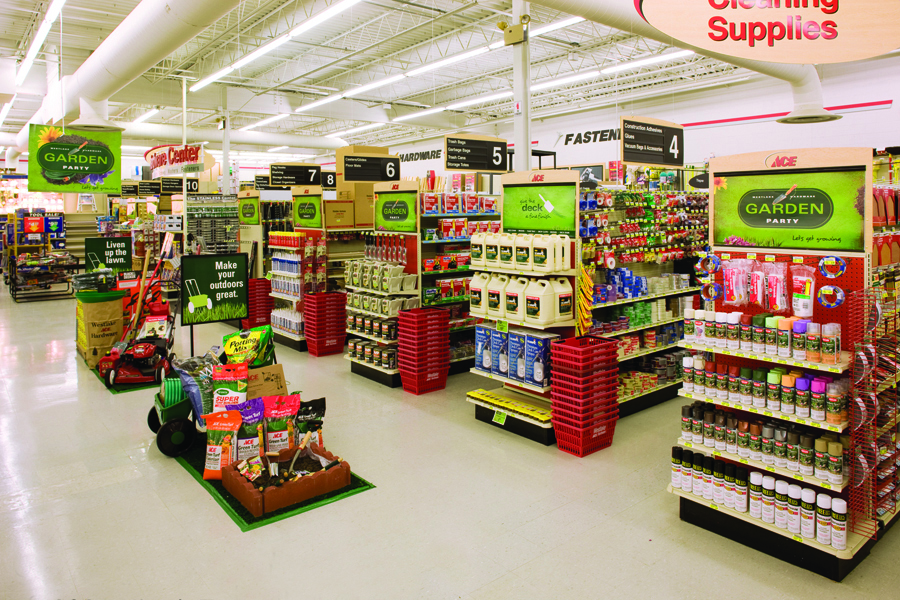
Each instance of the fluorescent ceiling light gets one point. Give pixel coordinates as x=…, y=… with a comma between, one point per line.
x=319, y=103
x=217, y=75
x=564, y=80
x=421, y=113
x=497, y=44
x=276, y=149
x=264, y=49
x=356, y=130
x=554, y=26
x=448, y=61
x=146, y=116
x=647, y=61
x=375, y=84
x=4, y=111
x=38, y=41
x=322, y=17
x=266, y=121
x=481, y=100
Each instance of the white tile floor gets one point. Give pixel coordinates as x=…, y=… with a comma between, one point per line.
x=89, y=509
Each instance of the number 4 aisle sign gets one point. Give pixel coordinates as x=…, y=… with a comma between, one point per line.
x=652, y=143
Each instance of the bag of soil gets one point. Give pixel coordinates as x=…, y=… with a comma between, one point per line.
x=221, y=434
x=279, y=417
x=230, y=385
x=309, y=418
x=250, y=436
x=255, y=347
x=196, y=374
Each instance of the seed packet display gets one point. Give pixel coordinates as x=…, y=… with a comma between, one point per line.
x=229, y=385
x=221, y=435
x=250, y=440
x=279, y=418
x=252, y=346
x=196, y=374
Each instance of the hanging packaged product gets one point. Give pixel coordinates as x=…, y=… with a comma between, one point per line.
x=756, y=292
x=250, y=439
x=776, y=288
x=832, y=267
x=803, y=284
x=230, y=385
x=735, y=275
x=279, y=418
x=221, y=434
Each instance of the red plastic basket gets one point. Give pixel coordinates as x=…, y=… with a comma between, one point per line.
x=421, y=367
x=420, y=315
x=581, y=441
x=569, y=386
x=423, y=383
x=325, y=346
x=581, y=407
x=583, y=355
x=600, y=412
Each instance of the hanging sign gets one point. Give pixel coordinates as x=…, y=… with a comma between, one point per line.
x=475, y=153
x=700, y=181
x=213, y=288
x=77, y=161
x=177, y=160
x=288, y=174
x=329, y=180
x=652, y=143
x=307, y=207
x=173, y=185
x=395, y=207
x=540, y=202
x=371, y=168
x=782, y=31
x=261, y=182
x=148, y=188
x=107, y=253
x=129, y=190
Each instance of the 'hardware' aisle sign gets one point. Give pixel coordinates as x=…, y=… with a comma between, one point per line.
x=475, y=153
x=87, y=162
x=213, y=288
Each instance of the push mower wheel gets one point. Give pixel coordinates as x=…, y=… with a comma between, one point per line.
x=209, y=304
x=160, y=374
x=110, y=378
x=175, y=437
x=153, y=420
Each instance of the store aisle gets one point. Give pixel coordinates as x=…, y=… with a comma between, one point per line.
x=90, y=509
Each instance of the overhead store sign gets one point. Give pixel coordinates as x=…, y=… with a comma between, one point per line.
x=475, y=153
x=417, y=156
x=782, y=31
x=174, y=185
x=540, y=202
x=289, y=174
x=149, y=188
x=652, y=143
x=395, y=207
x=371, y=168
x=308, y=207
x=177, y=160
x=107, y=253
x=589, y=137
x=78, y=161
x=129, y=190
x=329, y=180
x=213, y=288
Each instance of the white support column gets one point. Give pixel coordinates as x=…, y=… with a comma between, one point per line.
x=226, y=148
x=522, y=94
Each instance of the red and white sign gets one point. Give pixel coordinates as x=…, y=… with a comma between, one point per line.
x=177, y=160
x=782, y=31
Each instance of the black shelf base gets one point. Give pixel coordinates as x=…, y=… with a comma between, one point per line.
x=541, y=435
x=644, y=402
x=391, y=380
x=462, y=366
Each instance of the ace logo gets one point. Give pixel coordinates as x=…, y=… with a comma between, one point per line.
x=396, y=186
x=537, y=178
x=780, y=161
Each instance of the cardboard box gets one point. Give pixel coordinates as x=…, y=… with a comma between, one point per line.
x=517, y=354
x=92, y=355
x=500, y=353
x=266, y=381
x=483, y=347
x=364, y=211
x=537, y=358
x=339, y=214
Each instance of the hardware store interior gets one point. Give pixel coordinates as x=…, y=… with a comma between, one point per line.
x=593, y=298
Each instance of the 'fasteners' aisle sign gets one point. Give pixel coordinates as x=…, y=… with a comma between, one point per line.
x=288, y=174
x=371, y=168
x=213, y=288
x=540, y=202
x=475, y=153
x=87, y=162
x=783, y=31
x=307, y=207
x=107, y=253
x=395, y=207
x=652, y=143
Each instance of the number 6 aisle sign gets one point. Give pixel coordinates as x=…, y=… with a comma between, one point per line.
x=475, y=153
x=652, y=143
x=371, y=168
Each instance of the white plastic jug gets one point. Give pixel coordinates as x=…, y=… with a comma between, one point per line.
x=524, y=261
x=540, y=302
x=543, y=254
x=492, y=250
x=476, y=254
x=561, y=251
x=565, y=310
x=515, y=299
x=496, y=305
x=507, y=242
x=478, y=294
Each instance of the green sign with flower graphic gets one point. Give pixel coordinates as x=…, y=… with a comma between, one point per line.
x=800, y=209
x=74, y=161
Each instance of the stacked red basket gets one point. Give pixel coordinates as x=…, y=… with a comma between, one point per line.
x=260, y=304
x=584, y=391
x=325, y=322
x=424, y=349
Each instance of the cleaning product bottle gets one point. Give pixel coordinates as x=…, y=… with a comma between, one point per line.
x=564, y=299
x=524, y=261
x=492, y=250
x=561, y=250
x=476, y=254
x=478, y=294
x=507, y=244
x=515, y=299
x=496, y=307
x=543, y=257
x=540, y=302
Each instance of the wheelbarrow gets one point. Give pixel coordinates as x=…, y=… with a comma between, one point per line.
x=171, y=420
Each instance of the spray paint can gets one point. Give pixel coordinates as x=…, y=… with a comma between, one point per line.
x=687, y=471
x=676, y=466
x=740, y=490
x=823, y=519
x=697, y=424
x=729, y=485
x=793, y=508
x=731, y=435
x=781, y=504
x=721, y=431
x=779, y=451
x=708, y=477
x=801, y=397
x=734, y=384
x=768, y=444
x=835, y=463
x=745, y=386
x=697, y=487
x=807, y=456
x=756, y=481
x=768, y=499
x=792, y=453
x=755, y=442
x=821, y=459
x=808, y=514
x=686, y=433
x=687, y=373
x=719, y=482
x=839, y=524
x=743, y=439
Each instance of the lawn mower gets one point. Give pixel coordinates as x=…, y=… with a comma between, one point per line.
x=147, y=359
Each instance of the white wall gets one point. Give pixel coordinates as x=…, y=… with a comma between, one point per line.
x=854, y=83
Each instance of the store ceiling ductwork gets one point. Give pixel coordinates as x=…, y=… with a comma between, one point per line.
x=622, y=15
x=151, y=32
x=156, y=131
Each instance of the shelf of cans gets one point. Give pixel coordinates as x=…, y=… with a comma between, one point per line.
x=630, y=318
x=423, y=350
x=325, y=317
x=653, y=373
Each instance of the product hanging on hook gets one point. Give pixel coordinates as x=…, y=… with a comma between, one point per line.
x=827, y=292
x=826, y=263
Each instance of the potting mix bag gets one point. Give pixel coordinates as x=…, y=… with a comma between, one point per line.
x=309, y=417
x=279, y=416
x=196, y=379
x=221, y=436
x=229, y=385
x=250, y=437
x=252, y=346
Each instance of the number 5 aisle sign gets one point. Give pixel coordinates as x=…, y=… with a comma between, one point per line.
x=652, y=143
x=475, y=153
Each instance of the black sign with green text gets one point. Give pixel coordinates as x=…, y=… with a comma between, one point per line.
x=213, y=288
x=107, y=253
x=396, y=211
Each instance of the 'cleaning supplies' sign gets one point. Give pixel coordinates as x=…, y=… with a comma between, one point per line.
x=395, y=211
x=107, y=253
x=213, y=288
x=791, y=209
x=544, y=208
x=74, y=161
x=308, y=211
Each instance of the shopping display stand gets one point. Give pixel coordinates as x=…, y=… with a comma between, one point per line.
x=44, y=278
x=868, y=329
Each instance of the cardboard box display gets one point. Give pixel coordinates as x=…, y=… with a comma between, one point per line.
x=488, y=205
x=92, y=354
x=451, y=204
x=364, y=211
x=266, y=381
x=483, y=347
x=537, y=358
x=431, y=204
x=338, y=214
x=517, y=354
x=470, y=203
x=499, y=353
x=495, y=226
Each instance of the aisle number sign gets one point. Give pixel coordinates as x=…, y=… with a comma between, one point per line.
x=371, y=168
x=74, y=161
x=213, y=288
x=652, y=143
x=475, y=153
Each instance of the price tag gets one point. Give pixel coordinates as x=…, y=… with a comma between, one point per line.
x=701, y=254
x=751, y=255
x=716, y=453
x=830, y=262
x=798, y=260
x=688, y=445
x=770, y=469
x=725, y=404
x=798, y=477
x=781, y=361
x=753, y=409
x=726, y=257
x=797, y=538
x=726, y=352
x=770, y=258
x=714, y=506
x=834, y=428
x=740, y=354
x=767, y=413
x=744, y=461
x=503, y=326
x=499, y=417
x=827, y=486
x=801, y=421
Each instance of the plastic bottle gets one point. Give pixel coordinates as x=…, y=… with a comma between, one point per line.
x=746, y=386
x=756, y=482
x=733, y=331
x=834, y=399
x=808, y=513
x=697, y=425
x=543, y=254
x=676, y=466
x=476, y=253
x=823, y=519
x=729, y=486
x=747, y=333
x=779, y=451
x=524, y=261
x=793, y=508
x=831, y=344
x=507, y=243
x=807, y=455
x=817, y=400
x=839, y=524
x=561, y=251
x=798, y=340
x=768, y=499
x=801, y=397
x=492, y=250
x=722, y=381
x=792, y=454
x=515, y=298
x=773, y=390
x=689, y=325
x=709, y=429
x=835, y=463
x=718, y=482
x=781, y=504
x=772, y=336
x=687, y=369
x=755, y=442
x=565, y=309
x=721, y=329
x=759, y=389
x=743, y=439
x=740, y=490
x=734, y=383
x=697, y=486
x=783, y=337
x=708, y=463
x=767, y=445
x=731, y=435
x=496, y=305
x=699, y=327
x=721, y=430
x=540, y=303
x=813, y=342
x=821, y=459
x=759, y=334
x=787, y=394
x=478, y=294
x=687, y=471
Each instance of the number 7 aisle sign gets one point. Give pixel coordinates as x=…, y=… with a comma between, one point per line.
x=475, y=153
